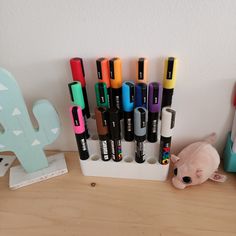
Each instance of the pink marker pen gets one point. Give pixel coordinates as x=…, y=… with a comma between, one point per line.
x=79, y=129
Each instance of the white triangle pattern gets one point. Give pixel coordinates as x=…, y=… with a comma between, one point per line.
x=2, y=146
x=16, y=112
x=2, y=87
x=55, y=130
x=17, y=132
x=35, y=142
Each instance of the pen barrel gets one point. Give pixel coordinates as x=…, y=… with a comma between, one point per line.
x=85, y=124
x=139, y=152
x=105, y=147
x=86, y=102
x=167, y=97
x=129, y=126
x=116, y=150
x=82, y=146
x=152, y=126
x=109, y=97
x=164, y=154
x=116, y=98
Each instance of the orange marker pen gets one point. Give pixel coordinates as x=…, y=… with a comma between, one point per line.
x=141, y=71
x=116, y=82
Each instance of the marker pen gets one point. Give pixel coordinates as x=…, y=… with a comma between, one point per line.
x=140, y=120
x=114, y=129
x=79, y=129
x=116, y=82
x=169, y=81
x=167, y=125
x=101, y=94
x=104, y=74
x=141, y=95
x=77, y=99
x=77, y=69
x=141, y=71
x=128, y=109
x=154, y=106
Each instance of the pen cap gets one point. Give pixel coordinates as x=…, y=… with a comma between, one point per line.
x=77, y=119
x=154, y=97
x=140, y=94
x=115, y=72
x=140, y=121
x=101, y=94
x=170, y=73
x=167, y=122
x=114, y=123
x=141, y=74
x=128, y=96
x=76, y=94
x=77, y=69
x=101, y=120
x=103, y=71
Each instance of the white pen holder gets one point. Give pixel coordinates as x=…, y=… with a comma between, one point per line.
x=127, y=168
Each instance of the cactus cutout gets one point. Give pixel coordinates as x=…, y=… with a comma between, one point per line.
x=17, y=133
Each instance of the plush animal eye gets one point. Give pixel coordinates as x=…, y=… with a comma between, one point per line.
x=187, y=180
x=175, y=171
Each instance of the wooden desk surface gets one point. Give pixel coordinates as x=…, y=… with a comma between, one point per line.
x=69, y=205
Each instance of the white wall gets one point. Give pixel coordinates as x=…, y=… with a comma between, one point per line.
x=37, y=38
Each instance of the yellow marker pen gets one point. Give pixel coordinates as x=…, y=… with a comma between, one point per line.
x=169, y=81
x=116, y=82
x=141, y=71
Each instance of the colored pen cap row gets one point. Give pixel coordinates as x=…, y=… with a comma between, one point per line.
x=140, y=121
x=77, y=119
x=115, y=72
x=141, y=71
x=101, y=116
x=76, y=94
x=128, y=91
x=77, y=69
x=101, y=95
x=154, y=97
x=170, y=73
x=141, y=95
x=167, y=121
x=103, y=71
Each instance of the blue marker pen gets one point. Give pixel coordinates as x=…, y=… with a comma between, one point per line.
x=128, y=109
x=141, y=95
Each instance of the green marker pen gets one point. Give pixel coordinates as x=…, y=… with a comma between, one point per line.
x=77, y=98
x=101, y=95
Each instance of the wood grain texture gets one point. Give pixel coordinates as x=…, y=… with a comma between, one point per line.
x=70, y=205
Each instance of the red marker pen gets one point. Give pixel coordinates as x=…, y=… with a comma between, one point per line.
x=77, y=69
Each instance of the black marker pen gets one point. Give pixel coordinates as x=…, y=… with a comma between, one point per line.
x=140, y=120
x=101, y=117
x=79, y=129
x=114, y=129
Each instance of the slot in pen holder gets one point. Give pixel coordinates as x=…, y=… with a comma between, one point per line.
x=127, y=168
x=229, y=156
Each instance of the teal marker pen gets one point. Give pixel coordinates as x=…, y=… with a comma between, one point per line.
x=77, y=98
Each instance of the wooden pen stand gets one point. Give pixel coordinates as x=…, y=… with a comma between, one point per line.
x=127, y=168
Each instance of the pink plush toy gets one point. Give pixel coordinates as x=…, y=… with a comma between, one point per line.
x=197, y=163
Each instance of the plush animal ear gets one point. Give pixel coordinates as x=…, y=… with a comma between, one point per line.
x=218, y=177
x=199, y=173
x=174, y=158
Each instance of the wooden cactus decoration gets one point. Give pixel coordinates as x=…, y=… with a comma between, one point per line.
x=18, y=134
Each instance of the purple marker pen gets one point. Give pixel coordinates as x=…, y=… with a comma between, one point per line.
x=154, y=107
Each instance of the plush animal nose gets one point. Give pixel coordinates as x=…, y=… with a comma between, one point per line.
x=177, y=183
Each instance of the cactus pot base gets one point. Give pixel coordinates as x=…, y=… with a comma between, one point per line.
x=5, y=163
x=19, y=178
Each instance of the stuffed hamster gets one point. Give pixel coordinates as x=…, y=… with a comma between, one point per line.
x=196, y=163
